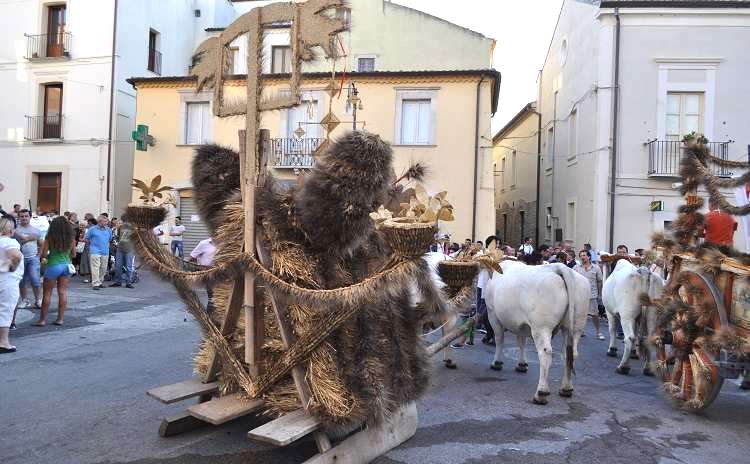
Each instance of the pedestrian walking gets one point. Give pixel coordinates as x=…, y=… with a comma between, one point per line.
x=30, y=238
x=57, y=254
x=203, y=254
x=98, y=238
x=125, y=255
x=593, y=273
x=85, y=264
x=11, y=273
x=175, y=232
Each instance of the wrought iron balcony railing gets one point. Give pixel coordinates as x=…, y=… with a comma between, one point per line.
x=44, y=127
x=664, y=158
x=43, y=46
x=294, y=153
x=154, y=61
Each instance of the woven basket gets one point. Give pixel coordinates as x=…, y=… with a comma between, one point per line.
x=145, y=217
x=458, y=274
x=407, y=237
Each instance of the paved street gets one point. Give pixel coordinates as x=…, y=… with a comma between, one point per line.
x=77, y=395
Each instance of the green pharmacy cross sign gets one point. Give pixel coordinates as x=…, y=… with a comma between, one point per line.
x=142, y=138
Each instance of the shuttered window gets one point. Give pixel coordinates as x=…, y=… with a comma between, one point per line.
x=416, y=122
x=195, y=231
x=198, y=123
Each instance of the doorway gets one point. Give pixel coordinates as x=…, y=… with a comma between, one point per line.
x=48, y=191
x=55, y=31
x=52, y=123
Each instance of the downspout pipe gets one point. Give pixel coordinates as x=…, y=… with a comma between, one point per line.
x=615, y=133
x=111, y=102
x=538, y=172
x=476, y=163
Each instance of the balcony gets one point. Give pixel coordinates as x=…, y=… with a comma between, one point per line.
x=154, y=61
x=664, y=158
x=291, y=153
x=44, y=46
x=44, y=128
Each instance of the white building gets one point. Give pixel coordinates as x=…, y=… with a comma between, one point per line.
x=63, y=104
x=682, y=67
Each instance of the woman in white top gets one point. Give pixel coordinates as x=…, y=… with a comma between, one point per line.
x=11, y=272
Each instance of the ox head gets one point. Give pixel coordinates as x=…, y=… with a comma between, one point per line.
x=650, y=283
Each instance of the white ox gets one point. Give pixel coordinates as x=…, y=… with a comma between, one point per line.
x=621, y=296
x=538, y=301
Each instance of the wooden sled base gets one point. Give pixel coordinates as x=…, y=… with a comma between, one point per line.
x=370, y=443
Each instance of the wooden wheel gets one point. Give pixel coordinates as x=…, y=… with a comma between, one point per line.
x=688, y=367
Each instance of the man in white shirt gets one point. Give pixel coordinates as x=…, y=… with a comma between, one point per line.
x=203, y=254
x=528, y=246
x=175, y=233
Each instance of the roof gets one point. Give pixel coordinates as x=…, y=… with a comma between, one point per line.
x=675, y=3
x=526, y=111
x=491, y=73
x=414, y=10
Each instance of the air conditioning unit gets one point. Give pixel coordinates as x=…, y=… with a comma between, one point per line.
x=197, y=13
x=548, y=220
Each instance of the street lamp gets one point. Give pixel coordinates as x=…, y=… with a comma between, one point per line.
x=353, y=102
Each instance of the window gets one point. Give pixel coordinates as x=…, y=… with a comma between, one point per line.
x=51, y=123
x=573, y=135
x=505, y=226
x=502, y=174
x=514, y=169
x=563, y=52
x=570, y=222
x=548, y=223
x=684, y=114
x=48, y=191
x=55, y=30
x=415, y=122
x=550, y=148
x=197, y=123
x=281, y=59
x=365, y=64
x=233, y=55
x=522, y=221
x=154, y=56
x=305, y=116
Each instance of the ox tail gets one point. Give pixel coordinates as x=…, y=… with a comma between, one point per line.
x=568, y=278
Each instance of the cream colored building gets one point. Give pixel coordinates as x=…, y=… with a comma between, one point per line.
x=435, y=108
x=515, y=155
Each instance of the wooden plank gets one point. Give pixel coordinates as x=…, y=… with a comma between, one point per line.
x=179, y=423
x=224, y=409
x=287, y=339
x=286, y=429
x=169, y=394
x=372, y=442
x=234, y=305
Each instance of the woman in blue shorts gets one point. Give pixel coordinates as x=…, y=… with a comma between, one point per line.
x=58, y=251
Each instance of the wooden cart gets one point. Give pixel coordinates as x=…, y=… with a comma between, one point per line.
x=692, y=364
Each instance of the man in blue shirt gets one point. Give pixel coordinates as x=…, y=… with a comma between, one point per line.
x=98, y=239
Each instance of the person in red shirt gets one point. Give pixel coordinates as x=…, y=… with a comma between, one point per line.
x=719, y=227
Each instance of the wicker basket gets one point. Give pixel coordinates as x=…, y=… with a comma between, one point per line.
x=407, y=237
x=145, y=217
x=458, y=274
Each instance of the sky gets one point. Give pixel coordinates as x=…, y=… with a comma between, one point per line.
x=523, y=30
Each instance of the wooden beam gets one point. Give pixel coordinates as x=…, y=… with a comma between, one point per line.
x=372, y=442
x=190, y=388
x=287, y=339
x=182, y=422
x=286, y=429
x=234, y=305
x=224, y=409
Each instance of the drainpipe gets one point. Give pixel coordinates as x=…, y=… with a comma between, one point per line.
x=111, y=101
x=615, y=130
x=538, y=170
x=554, y=162
x=476, y=163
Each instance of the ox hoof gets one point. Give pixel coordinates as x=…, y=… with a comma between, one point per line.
x=633, y=354
x=566, y=392
x=612, y=352
x=647, y=371
x=624, y=370
x=496, y=366
x=450, y=364
x=538, y=399
x=542, y=393
x=522, y=368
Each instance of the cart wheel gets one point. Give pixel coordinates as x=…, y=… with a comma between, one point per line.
x=688, y=368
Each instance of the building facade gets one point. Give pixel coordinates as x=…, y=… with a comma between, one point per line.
x=515, y=155
x=438, y=116
x=623, y=81
x=65, y=133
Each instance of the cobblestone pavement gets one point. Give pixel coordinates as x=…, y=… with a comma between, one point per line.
x=76, y=395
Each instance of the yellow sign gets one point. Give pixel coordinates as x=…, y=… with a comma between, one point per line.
x=657, y=205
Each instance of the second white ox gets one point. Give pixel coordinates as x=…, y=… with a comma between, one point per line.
x=538, y=301
x=621, y=296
